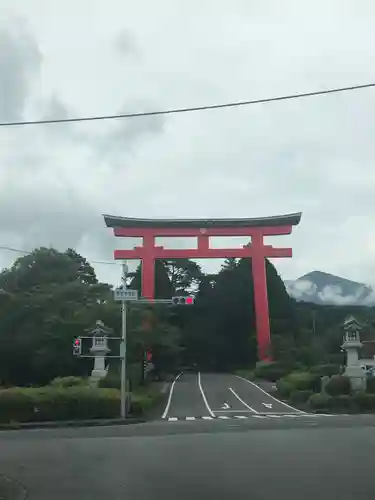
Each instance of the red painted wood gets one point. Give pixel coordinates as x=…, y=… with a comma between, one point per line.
x=256, y=250
x=201, y=253
x=213, y=231
x=262, y=321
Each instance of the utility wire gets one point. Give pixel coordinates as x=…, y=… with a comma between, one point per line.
x=187, y=110
x=25, y=252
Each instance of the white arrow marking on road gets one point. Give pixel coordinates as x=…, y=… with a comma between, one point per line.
x=268, y=405
x=225, y=406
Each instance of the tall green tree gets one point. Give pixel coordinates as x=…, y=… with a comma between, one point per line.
x=183, y=274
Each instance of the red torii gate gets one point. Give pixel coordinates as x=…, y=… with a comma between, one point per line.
x=203, y=229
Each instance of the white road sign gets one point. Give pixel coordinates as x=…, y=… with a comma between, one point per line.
x=126, y=295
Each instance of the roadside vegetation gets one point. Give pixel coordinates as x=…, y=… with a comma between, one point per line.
x=48, y=298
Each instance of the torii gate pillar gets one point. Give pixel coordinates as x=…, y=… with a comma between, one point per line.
x=202, y=230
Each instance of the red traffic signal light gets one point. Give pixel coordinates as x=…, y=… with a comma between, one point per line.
x=182, y=301
x=77, y=347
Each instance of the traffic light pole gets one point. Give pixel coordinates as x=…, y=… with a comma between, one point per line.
x=123, y=344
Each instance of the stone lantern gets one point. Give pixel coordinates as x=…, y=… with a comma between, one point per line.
x=99, y=349
x=352, y=344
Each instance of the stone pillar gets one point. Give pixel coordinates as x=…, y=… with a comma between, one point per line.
x=351, y=344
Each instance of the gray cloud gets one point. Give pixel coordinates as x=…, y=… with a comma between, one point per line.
x=314, y=155
x=20, y=60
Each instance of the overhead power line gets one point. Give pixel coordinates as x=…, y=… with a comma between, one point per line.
x=188, y=110
x=25, y=252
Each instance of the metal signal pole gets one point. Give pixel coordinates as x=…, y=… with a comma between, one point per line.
x=123, y=344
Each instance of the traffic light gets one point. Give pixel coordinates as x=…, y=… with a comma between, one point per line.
x=77, y=347
x=182, y=301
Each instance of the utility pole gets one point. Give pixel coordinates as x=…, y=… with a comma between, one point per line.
x=123, y=344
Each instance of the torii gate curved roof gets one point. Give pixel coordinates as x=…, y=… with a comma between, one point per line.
x=274, y=220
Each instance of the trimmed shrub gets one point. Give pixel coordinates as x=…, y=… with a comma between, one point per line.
x=337, y=385
x=299, y=397
x=269, y=370
x=319, y=401
x=68, y=382
x=342, y=403
x=50, y=403
x=303, y=381
x=284, y=388
x=325, y=370
x=110, y=381
x=364, y=401
x=142, y=402
x=370, y=385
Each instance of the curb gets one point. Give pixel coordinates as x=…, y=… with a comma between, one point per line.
x=70, y=423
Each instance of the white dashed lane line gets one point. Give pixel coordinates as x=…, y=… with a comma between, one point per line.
x=245, y=417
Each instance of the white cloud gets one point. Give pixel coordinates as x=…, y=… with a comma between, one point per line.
x=314, y=155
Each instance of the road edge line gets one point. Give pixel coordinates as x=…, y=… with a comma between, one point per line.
x=242, y=401
x=268, y=394
x=165, y=413
x=204, y=396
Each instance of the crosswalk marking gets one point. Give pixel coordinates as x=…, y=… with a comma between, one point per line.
x=250, y=416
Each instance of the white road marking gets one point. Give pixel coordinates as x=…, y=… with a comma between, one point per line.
x=170, y=396
x=269, y=395
x=225, y=406
x=233, y=411
x=204, y=396
x=242, y=401
x=267, y=405
x=264, y=415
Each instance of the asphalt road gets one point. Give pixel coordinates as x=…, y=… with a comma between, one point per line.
x=310, y=457
x=222, y=396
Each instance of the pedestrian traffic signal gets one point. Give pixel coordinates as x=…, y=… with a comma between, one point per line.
x=77, y=346
x=182, y=301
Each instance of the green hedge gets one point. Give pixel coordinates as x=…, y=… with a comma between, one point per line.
x=142, y=402
x=299, y=397
x=303, y=381
x=269, y=370
x=51, y=403
x=64, y=382
x=370, y=385
x=325, y=370
x=360, y=402
x=337, y=385
x=284, y=388
x=319, y=401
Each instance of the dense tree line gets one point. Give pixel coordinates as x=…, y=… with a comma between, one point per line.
x=47, y=298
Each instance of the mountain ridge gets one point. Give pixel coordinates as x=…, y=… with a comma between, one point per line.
x=320, y=287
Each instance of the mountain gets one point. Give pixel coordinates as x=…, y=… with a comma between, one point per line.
x=324, y=288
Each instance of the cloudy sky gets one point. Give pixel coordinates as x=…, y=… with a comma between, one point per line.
x=85, y=57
